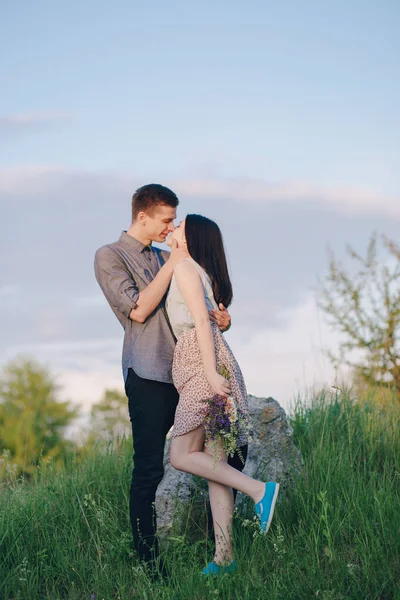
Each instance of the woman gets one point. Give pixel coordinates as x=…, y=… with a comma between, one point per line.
x=198, y=285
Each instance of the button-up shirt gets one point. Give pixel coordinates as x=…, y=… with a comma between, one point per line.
x=122, y=270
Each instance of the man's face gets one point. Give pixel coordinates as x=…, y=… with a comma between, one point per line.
x=160, y=224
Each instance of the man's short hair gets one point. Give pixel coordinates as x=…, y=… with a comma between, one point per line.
x=148, y=197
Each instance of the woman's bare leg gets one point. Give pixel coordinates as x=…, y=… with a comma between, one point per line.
x=186, y=454
x=221, y=502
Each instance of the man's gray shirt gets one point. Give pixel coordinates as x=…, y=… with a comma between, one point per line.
x=123, y=269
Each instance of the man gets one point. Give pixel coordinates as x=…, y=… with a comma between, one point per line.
x=134, y=277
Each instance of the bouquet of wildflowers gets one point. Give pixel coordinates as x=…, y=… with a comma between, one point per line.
x=222, y=422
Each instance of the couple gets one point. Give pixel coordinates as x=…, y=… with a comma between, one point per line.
x=172, y=306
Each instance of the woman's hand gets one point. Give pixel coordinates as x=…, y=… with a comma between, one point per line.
x=219, y=385
x=178, y=253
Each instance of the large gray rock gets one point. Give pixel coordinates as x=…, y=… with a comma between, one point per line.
x=272, y=456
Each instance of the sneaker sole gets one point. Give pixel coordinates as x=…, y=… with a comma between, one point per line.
x=271, y=513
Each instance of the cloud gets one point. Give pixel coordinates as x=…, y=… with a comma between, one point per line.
x=275, y=362
x=32, y=182
x=33, y=179
x=89, y=302
x=84, y=355
x=34, y=117
x=254, y=191
x=87, y=388
x=47, y=181
x=8, y=290
x=83, y=370
x=8, y=296
x=290, y=360
x=30, y=121
x=52, y=308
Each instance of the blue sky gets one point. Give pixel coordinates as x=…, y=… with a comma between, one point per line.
x=280, y=120
x=281, y=90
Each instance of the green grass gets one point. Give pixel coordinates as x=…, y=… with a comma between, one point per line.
x=336, y=535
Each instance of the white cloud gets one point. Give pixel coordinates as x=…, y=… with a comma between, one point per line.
x=8, y=290
x=47, y=179
x=83, y=370
x=278, y=362
x=83, y=356
x=349, y=200
x=33, y=179
x=23, y=121
x=34, y=116
x=9, y=295
x=88, y=302
x=287, y=361
x=86, y=388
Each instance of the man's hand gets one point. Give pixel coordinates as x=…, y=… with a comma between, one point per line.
x=221, y=317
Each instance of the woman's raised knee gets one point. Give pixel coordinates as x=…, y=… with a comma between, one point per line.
x=177, y=457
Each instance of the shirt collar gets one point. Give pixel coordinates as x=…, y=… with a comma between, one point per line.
x=132, y=242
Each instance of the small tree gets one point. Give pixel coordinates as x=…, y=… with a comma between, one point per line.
x=110, y=416
x=365, y=308
x=32, y=419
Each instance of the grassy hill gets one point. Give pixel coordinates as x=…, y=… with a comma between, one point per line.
x=66, y=535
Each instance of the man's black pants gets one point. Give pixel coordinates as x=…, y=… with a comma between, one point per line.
x=152, y=406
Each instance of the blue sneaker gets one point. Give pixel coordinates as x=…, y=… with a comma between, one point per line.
x=265, y=508
x=213, y=569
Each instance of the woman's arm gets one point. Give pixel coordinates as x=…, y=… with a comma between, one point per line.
x=122, y=291
x=190, y=285
x=151, y=296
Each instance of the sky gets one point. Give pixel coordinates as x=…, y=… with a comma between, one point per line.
x=278, y=120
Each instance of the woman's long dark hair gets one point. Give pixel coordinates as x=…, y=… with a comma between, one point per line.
x=206, y=247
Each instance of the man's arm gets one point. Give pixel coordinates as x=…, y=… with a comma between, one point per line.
x=121, y=290
x=116, y=283
x=221, y=317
